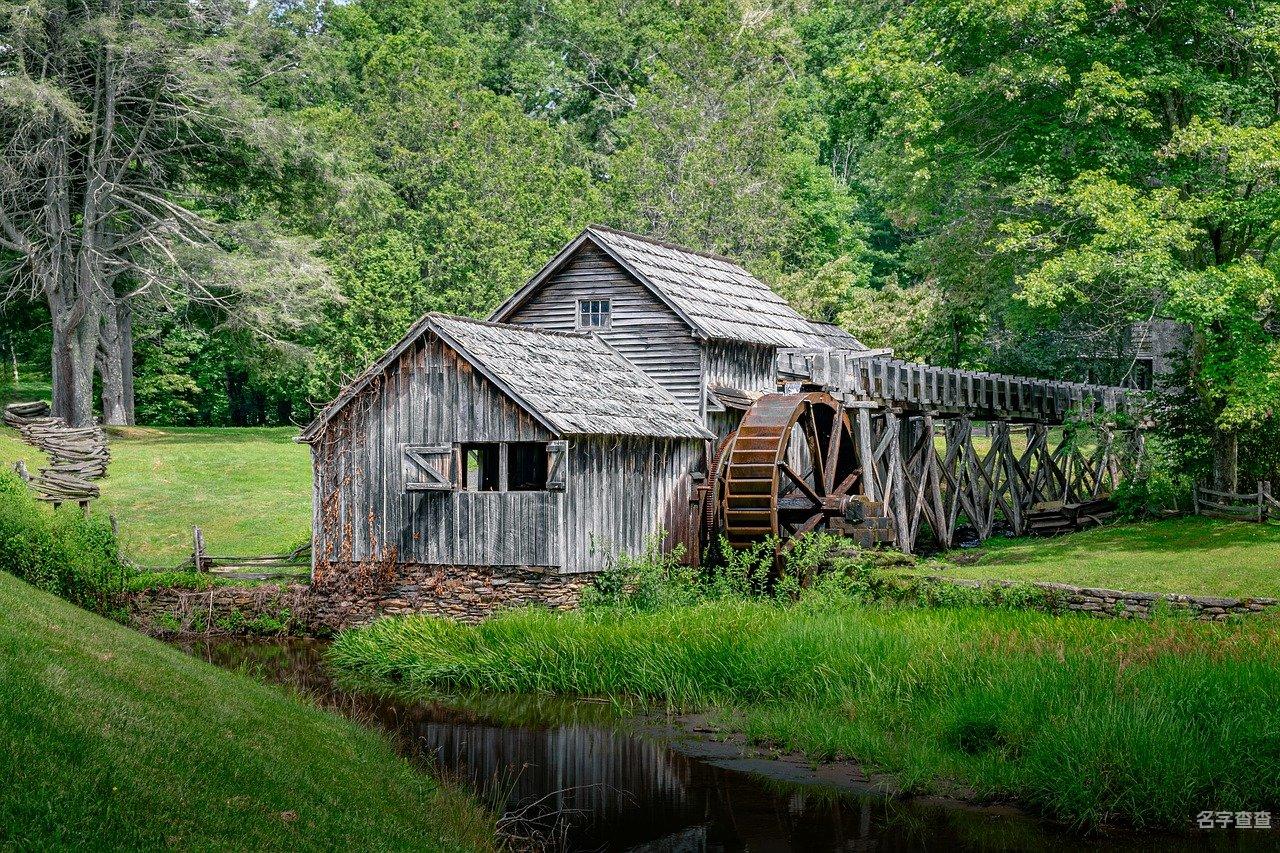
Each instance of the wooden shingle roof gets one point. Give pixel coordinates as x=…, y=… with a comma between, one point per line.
x=721, y=299
x=575, y=384
x=834, y=337
x=715, y=297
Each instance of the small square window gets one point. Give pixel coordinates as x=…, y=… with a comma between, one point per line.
x=527, y=466
x=479, y=468
x=594, y=313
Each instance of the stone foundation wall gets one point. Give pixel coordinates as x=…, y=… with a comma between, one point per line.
x=1117, y=604
x=346, y=595
x=343, y=596
x=268, y=609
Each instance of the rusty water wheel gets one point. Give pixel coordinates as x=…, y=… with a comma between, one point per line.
x=790, y=468
x=711, y=495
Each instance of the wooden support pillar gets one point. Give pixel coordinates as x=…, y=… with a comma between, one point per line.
x=897, y=474
x=867, y=455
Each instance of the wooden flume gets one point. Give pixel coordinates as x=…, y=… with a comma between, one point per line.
x=888, y=452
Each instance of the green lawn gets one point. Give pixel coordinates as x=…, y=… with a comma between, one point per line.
x=248, y=489
x=1188, y=555
x=1090, y=721
x=112, y=740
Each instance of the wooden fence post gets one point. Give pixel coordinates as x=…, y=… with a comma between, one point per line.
x=1261, y=503
x=197, y=554
x=1195, y=498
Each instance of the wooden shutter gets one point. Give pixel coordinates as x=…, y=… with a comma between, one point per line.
x=556, y=452
x=428, y=467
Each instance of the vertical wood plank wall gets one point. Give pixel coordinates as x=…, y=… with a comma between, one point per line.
x=620, y=490
x=363, y=511
x=647, y=333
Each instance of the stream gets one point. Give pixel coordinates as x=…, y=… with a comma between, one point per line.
x=586, y=775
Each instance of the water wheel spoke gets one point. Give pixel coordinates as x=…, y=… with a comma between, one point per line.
x=812, y=522
x=801, y=484
x=832, y=456
x=809, y=423
x=847, y=483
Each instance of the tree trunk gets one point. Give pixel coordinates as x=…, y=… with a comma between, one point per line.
x=126, y=360
x=1225, y=471
x=75, y=348
x=115, y=364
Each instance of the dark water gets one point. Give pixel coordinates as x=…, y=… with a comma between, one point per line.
x=582, y=775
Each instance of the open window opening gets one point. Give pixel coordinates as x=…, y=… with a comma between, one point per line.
x=527, y=466
x=480, y=467
x=594, y=313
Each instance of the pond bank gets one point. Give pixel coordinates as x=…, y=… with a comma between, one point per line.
x=601, y=778
x=1094, y=722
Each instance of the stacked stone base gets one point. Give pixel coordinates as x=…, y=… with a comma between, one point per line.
x=350, y=595
x=347, y=595
x=1117, y=604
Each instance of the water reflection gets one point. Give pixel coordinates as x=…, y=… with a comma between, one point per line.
x=578, y=769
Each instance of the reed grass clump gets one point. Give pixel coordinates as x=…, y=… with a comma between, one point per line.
x=1089, y=721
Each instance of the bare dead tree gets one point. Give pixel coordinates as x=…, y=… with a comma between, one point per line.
x=116, y=115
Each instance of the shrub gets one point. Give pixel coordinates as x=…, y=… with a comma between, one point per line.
x=62, y=551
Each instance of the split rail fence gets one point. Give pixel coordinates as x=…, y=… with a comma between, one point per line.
x=1258, y=505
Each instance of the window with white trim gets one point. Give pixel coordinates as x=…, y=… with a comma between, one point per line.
x=594, y=314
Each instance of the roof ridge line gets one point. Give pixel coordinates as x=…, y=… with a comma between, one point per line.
x=666, y=244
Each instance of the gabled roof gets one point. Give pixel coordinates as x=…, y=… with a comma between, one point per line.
x=834, y=337
x=713, y=295
x=574, y=384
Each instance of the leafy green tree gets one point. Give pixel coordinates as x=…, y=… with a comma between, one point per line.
x=1104, y=162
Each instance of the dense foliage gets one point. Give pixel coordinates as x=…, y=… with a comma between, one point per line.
x=60, y=552
x=993, y=184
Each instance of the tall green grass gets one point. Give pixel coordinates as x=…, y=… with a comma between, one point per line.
x=60, y=552
x=1093, y=722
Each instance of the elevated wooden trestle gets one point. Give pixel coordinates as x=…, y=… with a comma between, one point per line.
x=938, y=448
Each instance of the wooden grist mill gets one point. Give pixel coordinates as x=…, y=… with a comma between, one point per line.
x=632, y=389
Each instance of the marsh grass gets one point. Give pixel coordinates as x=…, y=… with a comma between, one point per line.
x=1092, y=722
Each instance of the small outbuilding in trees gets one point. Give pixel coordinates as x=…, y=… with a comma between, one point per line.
x=634, y=389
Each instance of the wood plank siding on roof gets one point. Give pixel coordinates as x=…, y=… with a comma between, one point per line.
x=644, y=330
x=428, y=396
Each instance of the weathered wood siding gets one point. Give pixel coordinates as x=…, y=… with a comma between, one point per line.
x=430, y=396
x=746, y=367
x=624, y=490
x=648, y=333
x=619, y=491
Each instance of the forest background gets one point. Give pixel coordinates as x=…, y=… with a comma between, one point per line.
x=215, y=213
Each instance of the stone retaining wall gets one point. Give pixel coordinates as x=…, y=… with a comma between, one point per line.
x=1117, y=604
x=346, y=595
x=343, y=596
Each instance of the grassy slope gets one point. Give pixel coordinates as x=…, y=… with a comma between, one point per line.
x=1187, y=555
x=1087, y=720
x=248, y=489
x=114, y=740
